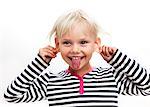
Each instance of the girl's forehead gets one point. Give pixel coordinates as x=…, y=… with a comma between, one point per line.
x=77, y=36
x=79, y=31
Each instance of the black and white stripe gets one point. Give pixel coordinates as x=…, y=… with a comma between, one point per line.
x=101, y=86
x=132, y=79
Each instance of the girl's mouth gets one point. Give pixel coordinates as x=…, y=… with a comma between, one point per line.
x=76, y=57
x=76, y=61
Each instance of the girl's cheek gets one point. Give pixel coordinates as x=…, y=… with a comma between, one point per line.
x=88, y=47
x=64, y=49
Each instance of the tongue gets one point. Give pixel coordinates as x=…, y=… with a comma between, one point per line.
x=76, y=63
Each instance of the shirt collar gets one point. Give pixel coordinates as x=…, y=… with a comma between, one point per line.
x=78, y=76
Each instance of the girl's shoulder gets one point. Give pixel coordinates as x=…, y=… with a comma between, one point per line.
x=60, y=74
x=102, y=69
x=102, y=72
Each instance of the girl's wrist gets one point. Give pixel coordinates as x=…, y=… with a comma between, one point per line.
x=46, y=61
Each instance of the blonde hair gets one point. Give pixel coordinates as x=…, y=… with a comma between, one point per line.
x=65, y=22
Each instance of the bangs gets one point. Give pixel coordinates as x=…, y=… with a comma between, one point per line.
x=64, y=23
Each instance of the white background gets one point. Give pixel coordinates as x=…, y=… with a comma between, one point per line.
x=25, y=24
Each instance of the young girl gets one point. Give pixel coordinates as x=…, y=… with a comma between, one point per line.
x=81, y=85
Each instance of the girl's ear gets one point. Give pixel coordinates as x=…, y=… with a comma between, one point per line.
x=57, y=43
x=97, y=44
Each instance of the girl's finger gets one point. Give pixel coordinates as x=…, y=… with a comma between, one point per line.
x=51, y=48
x=47, y=53
x=107, y=51
x=48, y=50
x=50, y=53
x=103, y=50
x=100, y=49
x=110, y=50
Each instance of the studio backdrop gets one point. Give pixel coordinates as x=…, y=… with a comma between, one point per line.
x=25, y=25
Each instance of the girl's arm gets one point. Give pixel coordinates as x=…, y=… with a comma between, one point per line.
x=30, y=85
x=131, y=78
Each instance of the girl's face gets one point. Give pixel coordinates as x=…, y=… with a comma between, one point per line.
x=77, y=47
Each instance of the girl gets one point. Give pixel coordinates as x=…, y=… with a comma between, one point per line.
x=81, y=85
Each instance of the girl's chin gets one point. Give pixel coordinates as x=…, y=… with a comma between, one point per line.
x=74, y=68
x=71, y=68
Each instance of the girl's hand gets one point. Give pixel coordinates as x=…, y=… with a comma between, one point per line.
x=47, y=53
x=107, y=52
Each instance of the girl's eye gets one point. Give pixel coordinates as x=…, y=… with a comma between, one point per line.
x=84, y=42
x=67, y=43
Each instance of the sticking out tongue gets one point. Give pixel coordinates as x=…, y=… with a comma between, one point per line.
x=76, y=63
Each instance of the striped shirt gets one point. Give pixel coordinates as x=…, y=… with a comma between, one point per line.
x=98, y=88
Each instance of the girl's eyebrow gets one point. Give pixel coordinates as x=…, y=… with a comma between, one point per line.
x=66, y=39
x=70, y=39
x=83, y=39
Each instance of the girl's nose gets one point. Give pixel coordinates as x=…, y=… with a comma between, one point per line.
x=75, y=49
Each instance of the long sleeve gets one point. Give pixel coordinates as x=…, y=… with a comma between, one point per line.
x=29, y=85
x=131, y=78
